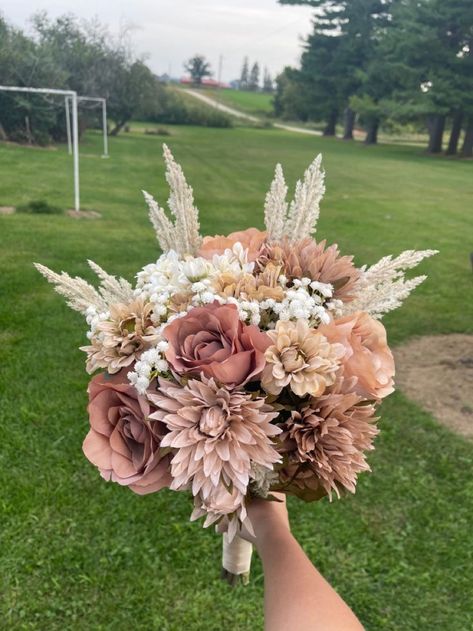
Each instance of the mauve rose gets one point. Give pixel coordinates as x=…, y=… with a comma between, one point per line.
x=251, y=239
x=122, y=442
x=212, y=340
x=367, y=357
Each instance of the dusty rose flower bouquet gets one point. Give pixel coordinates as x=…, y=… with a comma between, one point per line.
x=238, y=365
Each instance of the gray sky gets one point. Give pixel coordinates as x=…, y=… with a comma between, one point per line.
x=170, y=31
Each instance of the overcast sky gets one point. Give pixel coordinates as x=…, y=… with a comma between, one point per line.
x=170, y=31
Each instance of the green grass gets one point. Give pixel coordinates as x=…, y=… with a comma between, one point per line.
x=79, y=554
x=257, y=103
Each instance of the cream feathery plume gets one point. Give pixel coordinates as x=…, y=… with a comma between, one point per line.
x=304, y=209
x=165, y=232
x=181, y=203
x=79, y=293
x=275, y=207
x=383, y=287
x=112, y=289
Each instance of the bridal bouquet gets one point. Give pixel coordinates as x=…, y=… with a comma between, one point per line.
x=238, y=365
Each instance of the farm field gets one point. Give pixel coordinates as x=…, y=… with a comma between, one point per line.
x=79, y=554
x=257, y=103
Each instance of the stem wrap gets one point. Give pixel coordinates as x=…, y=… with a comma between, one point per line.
x=236, y=559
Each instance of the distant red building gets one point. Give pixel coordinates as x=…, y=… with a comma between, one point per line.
x=206, y=83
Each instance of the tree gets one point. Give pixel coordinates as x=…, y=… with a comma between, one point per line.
x=343, y=40
x=245, y=74
x=291, y=100
x=430, y=51
x=198, y=68
x=253, y=83
x=267, y=81
x=67, y=54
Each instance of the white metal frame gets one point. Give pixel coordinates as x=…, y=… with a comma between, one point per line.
x=75, y=127
x=97, y=99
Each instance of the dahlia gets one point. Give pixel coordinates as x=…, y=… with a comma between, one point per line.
x=306, y=258
x=301, y=358
x=118, y=341
x=216, y=435
x=328, y=437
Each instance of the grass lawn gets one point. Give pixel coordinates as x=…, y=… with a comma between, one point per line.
x=77, y=553
x=257, y=103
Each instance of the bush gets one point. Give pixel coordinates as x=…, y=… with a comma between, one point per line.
x=39, y=207
x=160, y=131
x=174, y=108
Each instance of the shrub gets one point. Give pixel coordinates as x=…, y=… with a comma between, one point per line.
x=39, y=207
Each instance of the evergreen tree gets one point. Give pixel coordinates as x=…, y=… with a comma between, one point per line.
x=267, y=81
x=253, y=83
x=245, y=75
x=343, y=41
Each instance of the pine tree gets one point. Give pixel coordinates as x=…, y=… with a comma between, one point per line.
x=334, y=68
x=244, y=76
x=253, y=83
x=267, y=81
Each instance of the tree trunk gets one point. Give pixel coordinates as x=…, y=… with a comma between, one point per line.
x=372, y=133
x=118, y=127
x=436, y=129
x=330, y=127
x=350, y=117
x=455, y=134
x=467, y=148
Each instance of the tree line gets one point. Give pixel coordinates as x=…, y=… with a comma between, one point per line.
x=385, y=62
x=83, y=56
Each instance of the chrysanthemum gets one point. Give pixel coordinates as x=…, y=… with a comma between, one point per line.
x=216, y=435
x=327, y=438
x=300, y=358
x=119, y=340
x=309, y=259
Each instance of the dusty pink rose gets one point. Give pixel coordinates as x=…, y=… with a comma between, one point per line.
x=251, y=239
x=122, y=442
x=212, y=340
x=367, y=357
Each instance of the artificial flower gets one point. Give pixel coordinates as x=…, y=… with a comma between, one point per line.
x=122, y=441
x=211, y=340
x=251, y=240
x=301, y=358
x=367, y=354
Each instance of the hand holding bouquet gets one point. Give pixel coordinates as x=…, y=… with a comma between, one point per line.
x=238, y=365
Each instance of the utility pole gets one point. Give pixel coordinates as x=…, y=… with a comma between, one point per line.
x=220, y=66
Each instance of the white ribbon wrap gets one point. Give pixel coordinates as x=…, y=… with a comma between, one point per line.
x=236, y=557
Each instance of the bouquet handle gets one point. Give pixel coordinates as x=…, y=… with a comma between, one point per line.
x=236, y=560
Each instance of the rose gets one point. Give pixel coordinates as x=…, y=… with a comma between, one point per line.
x=367, y=357
x=122, y=441
x=212, y=340
x=251, y=240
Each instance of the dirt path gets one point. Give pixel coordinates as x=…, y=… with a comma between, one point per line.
x=239, y=114
x=436, y=371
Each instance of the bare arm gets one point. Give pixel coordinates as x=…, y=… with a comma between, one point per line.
x=296, y=596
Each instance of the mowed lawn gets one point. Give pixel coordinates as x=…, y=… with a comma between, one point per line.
x=77, y=553
x=257, y=103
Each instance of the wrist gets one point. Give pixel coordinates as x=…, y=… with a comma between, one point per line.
x=270, y=537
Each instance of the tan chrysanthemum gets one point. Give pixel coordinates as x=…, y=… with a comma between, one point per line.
x=260, y=287
x=309, y=259
x=300, y=358
x=118, y=341
x=326, y=440
x=216, y=435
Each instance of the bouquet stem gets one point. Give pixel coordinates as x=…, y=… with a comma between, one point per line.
x=236, y=560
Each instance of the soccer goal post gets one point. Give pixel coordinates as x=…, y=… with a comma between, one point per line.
x=75, y=127
x=93, y=99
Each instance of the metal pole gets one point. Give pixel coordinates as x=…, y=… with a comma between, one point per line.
x=75, y=140
x=105, y=130
x=68, y=126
